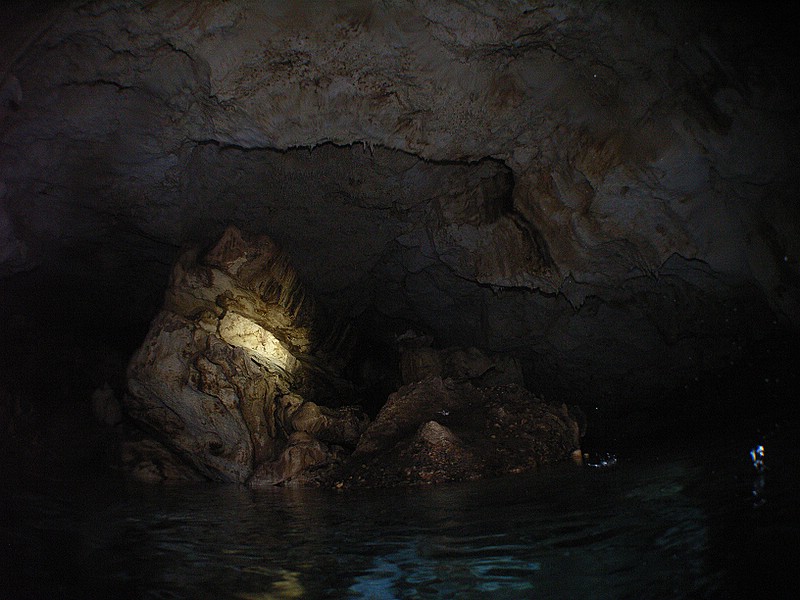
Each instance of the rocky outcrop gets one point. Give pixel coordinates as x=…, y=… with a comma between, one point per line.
x=221, y=378
x=238, y=377
x=438, y=430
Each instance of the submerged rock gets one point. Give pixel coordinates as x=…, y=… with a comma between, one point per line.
x=439, y=430
x=222, y=376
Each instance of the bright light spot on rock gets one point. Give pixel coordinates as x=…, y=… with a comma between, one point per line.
x=262, y=346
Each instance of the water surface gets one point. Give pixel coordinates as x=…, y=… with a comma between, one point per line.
x=682, y=520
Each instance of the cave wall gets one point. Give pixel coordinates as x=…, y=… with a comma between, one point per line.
x=607, y=191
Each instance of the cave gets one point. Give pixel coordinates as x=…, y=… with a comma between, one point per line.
x=596, y=201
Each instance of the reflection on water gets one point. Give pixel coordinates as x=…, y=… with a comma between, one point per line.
x=760, y=481
x=663, y=524
x=491, y=570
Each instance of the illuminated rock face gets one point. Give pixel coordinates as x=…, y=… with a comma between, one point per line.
x=222, y=375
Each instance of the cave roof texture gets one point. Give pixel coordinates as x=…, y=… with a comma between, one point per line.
x=605, y=190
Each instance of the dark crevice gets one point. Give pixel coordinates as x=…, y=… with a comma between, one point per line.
x=98, y=82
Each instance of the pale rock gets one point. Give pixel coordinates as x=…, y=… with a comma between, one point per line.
x=436, y=434
x=149, y=461
x=225, y=367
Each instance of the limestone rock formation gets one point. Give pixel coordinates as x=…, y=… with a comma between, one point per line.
x=439, y=430
x=222, y=389
x=222, y=375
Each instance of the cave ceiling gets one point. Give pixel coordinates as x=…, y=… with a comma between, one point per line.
x=607, y=191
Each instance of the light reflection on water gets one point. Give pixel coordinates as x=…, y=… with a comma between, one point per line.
x=666, y=526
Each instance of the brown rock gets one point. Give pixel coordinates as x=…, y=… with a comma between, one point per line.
x=546, y=182
x=438, y=430
x=407, y=409
x=342, y=426
x=302, y=452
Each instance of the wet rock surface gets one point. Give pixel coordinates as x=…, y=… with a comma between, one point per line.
x=437, y=430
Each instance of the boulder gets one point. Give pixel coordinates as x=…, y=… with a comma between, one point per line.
x=436, y=455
